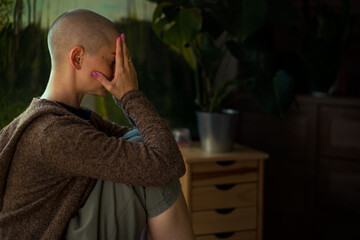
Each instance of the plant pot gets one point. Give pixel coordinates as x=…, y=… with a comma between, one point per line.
x=217, y=130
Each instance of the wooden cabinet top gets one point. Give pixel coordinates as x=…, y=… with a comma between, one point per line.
x=329, y=100
x=194, y=154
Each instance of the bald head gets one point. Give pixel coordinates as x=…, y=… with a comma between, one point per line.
x=79, y=28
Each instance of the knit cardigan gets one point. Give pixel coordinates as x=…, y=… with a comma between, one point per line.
x=50, y=160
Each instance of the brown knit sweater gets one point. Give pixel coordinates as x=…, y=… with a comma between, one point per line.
x=50, y=158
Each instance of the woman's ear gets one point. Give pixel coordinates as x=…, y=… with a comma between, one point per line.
x=76, y=57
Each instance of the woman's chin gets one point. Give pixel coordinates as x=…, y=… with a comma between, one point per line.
x=100, y=93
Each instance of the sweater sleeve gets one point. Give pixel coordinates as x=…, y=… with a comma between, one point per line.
x=73, y=147
x=110, y=128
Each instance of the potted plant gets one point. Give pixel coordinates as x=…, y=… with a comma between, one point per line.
x=204, y=32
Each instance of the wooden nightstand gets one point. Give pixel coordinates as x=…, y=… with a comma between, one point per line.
x=224, y=192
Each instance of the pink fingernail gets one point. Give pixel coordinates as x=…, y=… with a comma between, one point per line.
x=123, y=36
x=95, y=74
x=119, y=38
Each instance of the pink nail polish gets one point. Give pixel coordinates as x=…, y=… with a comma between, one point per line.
x=123, y=36
x=95, y=74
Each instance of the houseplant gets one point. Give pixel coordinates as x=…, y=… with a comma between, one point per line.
x=203, y=31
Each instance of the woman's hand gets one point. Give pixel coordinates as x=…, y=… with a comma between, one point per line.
x=125, y=77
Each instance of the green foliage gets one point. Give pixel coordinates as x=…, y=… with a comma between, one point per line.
x=24, y=67
x=252, y=17
x=6, y=50
x=273, y=93
x=32, y=62
x=239, y=26
x=14, y=101
x=5, y=8
x=178, y=29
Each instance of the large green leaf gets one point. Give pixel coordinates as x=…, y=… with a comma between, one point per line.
x=160, y=19
x=179, y=31
x=209, y=51
x=273, y=94
x=215, y=16
x=189, y=56
x=250, y=18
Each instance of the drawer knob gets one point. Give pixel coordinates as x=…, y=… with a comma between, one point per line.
x=224, y=210
x=225, y=163
x=224, y=235
x=224, y=186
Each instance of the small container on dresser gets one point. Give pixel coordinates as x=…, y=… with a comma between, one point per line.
x=223, y=192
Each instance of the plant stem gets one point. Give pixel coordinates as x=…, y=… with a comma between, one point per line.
x=197, y=85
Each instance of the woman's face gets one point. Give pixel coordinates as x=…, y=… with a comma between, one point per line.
x=104, y=62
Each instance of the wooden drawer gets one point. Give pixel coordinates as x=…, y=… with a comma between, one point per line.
x=214, y=221
x=224, y=172
x=339, y=132
x=224, y=196
x=245, y=235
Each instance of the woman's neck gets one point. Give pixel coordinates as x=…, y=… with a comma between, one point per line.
x=62, y=88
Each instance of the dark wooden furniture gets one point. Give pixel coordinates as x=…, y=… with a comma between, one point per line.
x=312, y=179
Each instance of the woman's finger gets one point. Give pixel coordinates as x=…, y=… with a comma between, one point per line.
x=127, y=58
x=130, y=62
x=103, y=80
x=119, y=57
x=132, y=67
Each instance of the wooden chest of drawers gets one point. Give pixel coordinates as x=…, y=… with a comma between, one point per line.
x=224, y=192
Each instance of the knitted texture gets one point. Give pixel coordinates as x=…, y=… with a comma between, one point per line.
x=50, y=160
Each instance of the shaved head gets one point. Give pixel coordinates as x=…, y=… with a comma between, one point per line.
x=79, y=28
